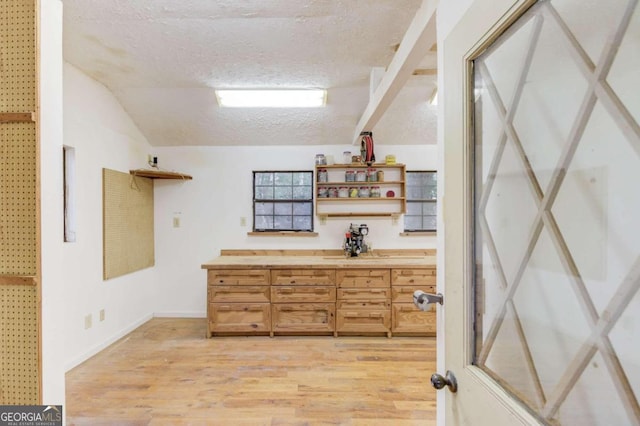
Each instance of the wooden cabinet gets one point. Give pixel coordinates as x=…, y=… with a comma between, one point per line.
x=406, y=318
x=364, y=298
x=332, y=202
x=238, y=302
x=303, y=301
x=320, y=295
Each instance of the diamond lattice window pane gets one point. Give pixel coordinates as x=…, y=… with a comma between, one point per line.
x=623, y=76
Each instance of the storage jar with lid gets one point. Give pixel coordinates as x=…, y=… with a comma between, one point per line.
x=349, y=176
x=323, y=192
x=333, y=192
x=343, y=192
x=346, y=157
x=375, y=192
x=361, y=176
x=321, y=160
x=353, y=192
x=323, y=175
x=372, y=175
x=363, y=192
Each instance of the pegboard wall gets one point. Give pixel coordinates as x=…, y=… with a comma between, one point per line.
x=17, y=199
x=19, y=376
x=127, y=222
x=17, y=56
x=20, y=373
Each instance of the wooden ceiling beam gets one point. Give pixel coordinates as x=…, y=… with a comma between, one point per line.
x=419, y=38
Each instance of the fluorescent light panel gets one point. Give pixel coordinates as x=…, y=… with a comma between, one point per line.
x=268, y=98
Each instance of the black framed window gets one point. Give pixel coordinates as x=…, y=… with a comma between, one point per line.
x=422, y=204
x=283, y=200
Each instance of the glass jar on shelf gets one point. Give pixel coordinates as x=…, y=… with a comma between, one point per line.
x=321, y=160
x=364, y=192
x=349, y=176
x=323, y=192
x=353, y=192
x=343, y=192
x=323, y=175
x=375, y=192
x=372, y=175
x=361, y=176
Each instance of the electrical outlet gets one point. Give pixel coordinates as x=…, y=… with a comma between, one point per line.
x=101, y=314
x=87, y=322
x=243, y=221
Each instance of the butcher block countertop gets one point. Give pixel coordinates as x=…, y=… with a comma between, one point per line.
x=318, y=259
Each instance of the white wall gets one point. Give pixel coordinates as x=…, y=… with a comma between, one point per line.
x=104, y=136
x=53, y=297
x=210, y=207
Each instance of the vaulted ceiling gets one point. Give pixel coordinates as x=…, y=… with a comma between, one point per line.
x=163, y=60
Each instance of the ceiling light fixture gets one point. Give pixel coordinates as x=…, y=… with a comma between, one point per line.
x=270, y=98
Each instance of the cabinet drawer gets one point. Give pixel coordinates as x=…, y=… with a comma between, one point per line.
x=249, y=294
x=419, y=277
x=303, y=317
x=239, y=317
x=381, y=304
x=363, y=278
x=303, y=277
x=404, y=294
x=308, y=294
x=409, y=319
x=364, y=294
x=238, y=277
x=363, y=321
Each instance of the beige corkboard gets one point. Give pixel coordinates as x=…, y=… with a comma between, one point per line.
x=127, y=223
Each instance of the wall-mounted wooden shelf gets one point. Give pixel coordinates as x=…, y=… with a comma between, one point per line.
x=159, y=174
x=364, y=214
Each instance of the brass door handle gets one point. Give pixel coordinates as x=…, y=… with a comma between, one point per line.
x=449, y=380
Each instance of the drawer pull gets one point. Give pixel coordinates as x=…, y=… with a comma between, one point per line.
x=321, y=291
x=285, y=290
x=292, y=282
x=285, y=309
x=407, y=309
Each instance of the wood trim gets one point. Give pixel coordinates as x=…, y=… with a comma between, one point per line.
x=18, y=280
x=17, y=117
x=283, y=234
x=159, y=174
x=327, y=252
x=35, y=117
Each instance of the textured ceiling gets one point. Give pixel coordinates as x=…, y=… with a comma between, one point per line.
x=163, y=59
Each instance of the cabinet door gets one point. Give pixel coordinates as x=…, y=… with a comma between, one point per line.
x=235, y=294
x=303, y=318
x=404, y=294
x=303, y=277
x=363, y=321
x=364, y=294
x=306, y=294
x=418, y=277
x=246, y=318
x=363, y=278
x=409, y=320
x=238, y=277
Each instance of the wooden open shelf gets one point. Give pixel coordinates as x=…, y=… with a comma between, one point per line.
x=354, y=214
x=159, y=174
x=350, y=199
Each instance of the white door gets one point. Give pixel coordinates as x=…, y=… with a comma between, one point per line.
x=542, y=213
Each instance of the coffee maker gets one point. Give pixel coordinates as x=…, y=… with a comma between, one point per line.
x=354, y=240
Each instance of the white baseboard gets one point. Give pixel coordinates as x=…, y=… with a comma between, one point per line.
x=179, y=314
x=114, y=338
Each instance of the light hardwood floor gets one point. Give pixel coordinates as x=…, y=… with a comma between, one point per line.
x=167, y=373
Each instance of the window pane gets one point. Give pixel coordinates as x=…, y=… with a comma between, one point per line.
x=429, y=223
x=429, y=208
x=412, y=222
x=302, y=223
x=264, y=179
x=283, y=193
x=414, y=179
x=264, y=222
x=283, y=222
x=303, y=209
x=264, y=208
x=302, y=192
x=414, y=208
x=302, y=178
x=283, y=179
x=264, y=193
x=283, y=209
